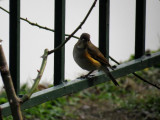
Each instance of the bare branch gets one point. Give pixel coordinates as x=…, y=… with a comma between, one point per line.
x=36, y=24
x=14, y=101
x=79, y=27
x=4, y=9
x=144, y=80
x=38, y=78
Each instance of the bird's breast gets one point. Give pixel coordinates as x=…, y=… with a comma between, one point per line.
x=85, y=60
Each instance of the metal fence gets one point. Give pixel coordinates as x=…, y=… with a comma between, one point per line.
x=63, y=88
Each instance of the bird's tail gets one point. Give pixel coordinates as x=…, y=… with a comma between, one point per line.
x=106, y=70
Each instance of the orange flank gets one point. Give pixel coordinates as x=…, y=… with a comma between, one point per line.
x=94, y=62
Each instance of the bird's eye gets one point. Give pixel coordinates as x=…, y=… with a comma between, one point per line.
x=84, y=40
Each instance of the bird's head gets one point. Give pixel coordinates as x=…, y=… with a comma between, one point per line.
x=85, y=37
x=83, y=41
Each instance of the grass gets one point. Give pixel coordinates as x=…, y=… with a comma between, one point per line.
x=132, y=100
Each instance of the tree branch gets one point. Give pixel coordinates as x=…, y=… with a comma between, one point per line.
x=36, y=24
x=79, y=27
x=4, y=9
x=144, y=80
x=38, y=78
x=14, y=101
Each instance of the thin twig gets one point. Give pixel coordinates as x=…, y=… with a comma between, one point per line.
x=79, y=27
x=36, y=24
x=144, y=80
x=4, y=9
x=38, y=78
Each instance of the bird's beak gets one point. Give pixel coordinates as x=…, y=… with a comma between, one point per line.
x=81, y=43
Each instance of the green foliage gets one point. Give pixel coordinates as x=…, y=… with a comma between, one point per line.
x=131, y=58
x=3, y=100
x=148, y=102
x=51, y=110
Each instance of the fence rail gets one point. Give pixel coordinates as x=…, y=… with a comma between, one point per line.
x=14, y=43
x=140, y=28
x=59, y=37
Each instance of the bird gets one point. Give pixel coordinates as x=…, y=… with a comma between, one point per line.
x=89, y=57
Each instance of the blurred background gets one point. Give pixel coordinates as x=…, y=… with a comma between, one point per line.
x=35, y=40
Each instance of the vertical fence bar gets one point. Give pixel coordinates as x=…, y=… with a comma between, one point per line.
x=104, y=13
x=14, y=43
x=59, y=37
x=140, y=28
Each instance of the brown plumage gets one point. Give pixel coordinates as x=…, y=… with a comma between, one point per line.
x=89, y=57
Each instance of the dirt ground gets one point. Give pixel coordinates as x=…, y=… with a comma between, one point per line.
x=102, y=110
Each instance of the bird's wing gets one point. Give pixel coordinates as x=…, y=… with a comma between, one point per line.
x=97, y=55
